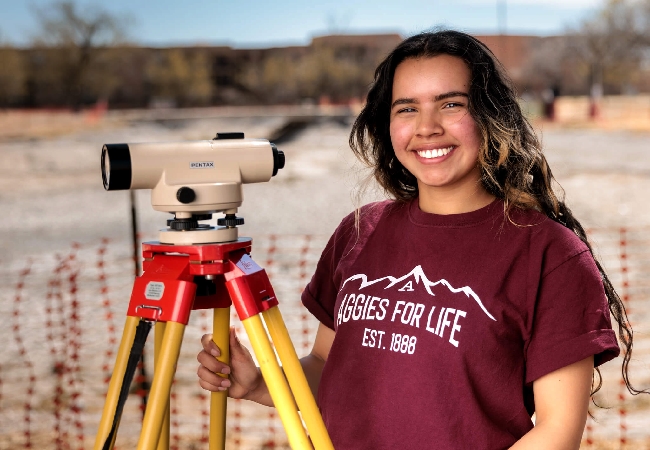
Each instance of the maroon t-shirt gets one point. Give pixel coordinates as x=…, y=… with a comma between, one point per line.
x=443, y=322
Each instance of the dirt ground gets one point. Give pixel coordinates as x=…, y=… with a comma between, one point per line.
x=51, y=194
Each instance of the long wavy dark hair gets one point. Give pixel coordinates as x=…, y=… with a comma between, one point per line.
x=513, y=167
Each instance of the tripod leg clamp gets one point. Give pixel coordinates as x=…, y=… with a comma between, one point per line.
x=165, y=291
x=249, y=287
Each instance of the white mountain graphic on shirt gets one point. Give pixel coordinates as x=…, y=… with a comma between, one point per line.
x=420, y=278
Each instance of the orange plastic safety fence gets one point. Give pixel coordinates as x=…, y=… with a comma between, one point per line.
x=51, y=395
x=625, y=297
x=22, y=351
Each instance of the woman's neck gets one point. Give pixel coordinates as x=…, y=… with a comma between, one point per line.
x=449, y=201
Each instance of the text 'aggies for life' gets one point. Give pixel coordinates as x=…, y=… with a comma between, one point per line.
x=444, y=324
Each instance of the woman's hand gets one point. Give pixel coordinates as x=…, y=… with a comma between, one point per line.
x=244, y=377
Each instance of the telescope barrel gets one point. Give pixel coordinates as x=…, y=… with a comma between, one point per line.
x=143, y=165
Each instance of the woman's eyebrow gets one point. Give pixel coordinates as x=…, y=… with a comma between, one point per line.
x=402, y=101
x=447, y=95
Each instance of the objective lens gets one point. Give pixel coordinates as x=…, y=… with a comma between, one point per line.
x=106, y=168
x=116, y=167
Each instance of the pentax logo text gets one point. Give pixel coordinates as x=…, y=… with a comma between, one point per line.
x=202, y=165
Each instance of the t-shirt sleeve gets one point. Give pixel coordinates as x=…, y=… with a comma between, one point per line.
x=571, y=319
x=319, y=297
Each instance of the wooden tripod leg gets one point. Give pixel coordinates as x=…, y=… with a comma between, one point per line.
x=115, y=385
x=159, y=333
x=277, y=384
x=163, y=376
x=297, y=380
x=218, y=400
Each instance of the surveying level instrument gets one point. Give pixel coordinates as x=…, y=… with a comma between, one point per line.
x=198, y=266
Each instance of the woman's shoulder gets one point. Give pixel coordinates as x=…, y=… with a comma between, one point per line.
x=550, y=239
x=359, y=224
x=542, y=226
x=370, y=213
x=356, y=227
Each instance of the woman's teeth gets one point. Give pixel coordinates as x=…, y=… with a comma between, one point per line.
x=435, y=153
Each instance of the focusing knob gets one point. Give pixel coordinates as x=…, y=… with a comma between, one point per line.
x=230, y=221
x=185, y=195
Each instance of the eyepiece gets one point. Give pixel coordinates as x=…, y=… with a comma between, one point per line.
x=278, y=159
x=116, y=167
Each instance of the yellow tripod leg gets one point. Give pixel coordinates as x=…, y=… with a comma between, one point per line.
x=277, y=384
x=161, y=386
x=159, y=333
x=115, y=385
x=218, y=400
x=297, y=380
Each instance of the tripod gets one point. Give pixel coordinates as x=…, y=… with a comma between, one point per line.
x=180, y=278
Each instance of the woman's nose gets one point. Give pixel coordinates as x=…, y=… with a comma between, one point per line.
x=429, y=124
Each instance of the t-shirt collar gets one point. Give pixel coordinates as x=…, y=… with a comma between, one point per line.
x=419, y=217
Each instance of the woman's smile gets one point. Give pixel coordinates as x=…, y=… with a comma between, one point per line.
x=434, y=153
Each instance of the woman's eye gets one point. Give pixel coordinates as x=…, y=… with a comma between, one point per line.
x=406, y=110
x=451, y=105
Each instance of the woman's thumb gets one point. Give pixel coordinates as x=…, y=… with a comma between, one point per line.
x=235, y=345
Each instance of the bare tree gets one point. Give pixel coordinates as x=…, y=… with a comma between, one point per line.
x=12, y=76
x=610, y=43
x=77, y=39
x=272, y=78
x=12, y=73
x=320, y=73
x=181, y=75
x=546, y=63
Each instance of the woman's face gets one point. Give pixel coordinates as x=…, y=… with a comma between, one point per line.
x=433, y=134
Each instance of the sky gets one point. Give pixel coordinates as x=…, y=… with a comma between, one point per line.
x=271, y=23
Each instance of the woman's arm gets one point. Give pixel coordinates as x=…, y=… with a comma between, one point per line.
x=561, y=404
x=245, y=379
x=313, y=363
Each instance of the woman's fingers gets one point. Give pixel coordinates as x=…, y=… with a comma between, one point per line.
x=209, y=345
x=240, y=376
x=212, y=364
x=212, y=382
x=236, y=346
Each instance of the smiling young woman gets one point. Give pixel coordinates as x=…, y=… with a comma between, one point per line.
x=470, y=300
